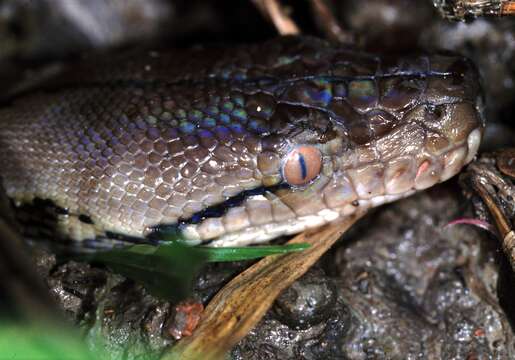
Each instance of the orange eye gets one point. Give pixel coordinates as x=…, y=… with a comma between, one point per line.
x=302, y=165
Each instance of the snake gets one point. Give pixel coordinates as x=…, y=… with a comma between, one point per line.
x=231, y=146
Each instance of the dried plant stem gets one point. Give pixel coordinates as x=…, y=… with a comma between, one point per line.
x=329, y=24
x=503, y=225
x=278, y=15
x=241, y=304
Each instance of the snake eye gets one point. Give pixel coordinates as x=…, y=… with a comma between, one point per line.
x=302, y=165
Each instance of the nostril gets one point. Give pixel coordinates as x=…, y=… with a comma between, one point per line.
x=438, y=111
x=434, y=112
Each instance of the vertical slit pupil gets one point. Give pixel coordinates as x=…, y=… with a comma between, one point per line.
x=303, y=169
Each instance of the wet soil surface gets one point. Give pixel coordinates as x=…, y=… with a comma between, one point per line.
x=407, y=287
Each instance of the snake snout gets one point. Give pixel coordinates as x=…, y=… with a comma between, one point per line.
x=440, y=133
x=457, y=116
x=453, y=121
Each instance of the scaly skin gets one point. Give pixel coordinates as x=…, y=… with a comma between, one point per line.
x=150, y=142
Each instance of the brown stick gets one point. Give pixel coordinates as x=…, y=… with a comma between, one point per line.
x=241, y=304
x=503, y=226
x=278, y=15
x=329, y=24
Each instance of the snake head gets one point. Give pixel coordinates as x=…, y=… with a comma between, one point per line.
x=364, y=133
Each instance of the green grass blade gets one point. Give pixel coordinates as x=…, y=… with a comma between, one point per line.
x=23, y=341
x=169, y=270
x=247, y=253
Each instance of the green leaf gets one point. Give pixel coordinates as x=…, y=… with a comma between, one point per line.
x=23, y=341
x=168, y=270
x=247, y=253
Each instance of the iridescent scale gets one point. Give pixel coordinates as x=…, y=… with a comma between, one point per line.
x=152, y=140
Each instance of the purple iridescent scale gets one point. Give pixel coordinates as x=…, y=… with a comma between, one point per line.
x=145, y=140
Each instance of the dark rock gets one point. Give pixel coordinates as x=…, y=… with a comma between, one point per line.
x=214, y=276
x=44, y=261
x=129, y=321
x=308, y=302
x=272, y=339
x=407, y=288
x=74, y=285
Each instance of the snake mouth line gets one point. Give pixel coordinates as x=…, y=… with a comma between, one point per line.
x=429, y=171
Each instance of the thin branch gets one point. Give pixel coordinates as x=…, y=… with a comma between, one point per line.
x=278, y=15
x=489, y=177
x=241, y=304
x=329, y=24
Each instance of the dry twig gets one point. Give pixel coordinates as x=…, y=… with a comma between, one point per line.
x=241, y=304
x=489, y=177
x=329, y=24
x=278, y=15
